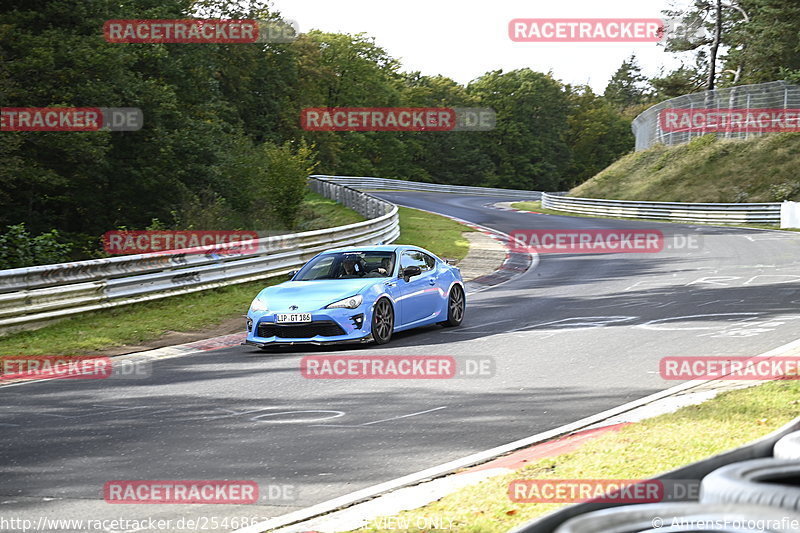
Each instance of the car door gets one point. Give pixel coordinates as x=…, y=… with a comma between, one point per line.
x=419, y=296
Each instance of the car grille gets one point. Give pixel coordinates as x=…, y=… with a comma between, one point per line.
x=300, y=331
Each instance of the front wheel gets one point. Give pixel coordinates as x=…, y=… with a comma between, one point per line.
x=455, y=307
x=382, y=321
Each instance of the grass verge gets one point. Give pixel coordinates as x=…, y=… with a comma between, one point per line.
x=318, y=212
x=707, y=169
x=440, y=235
x=639, y=451
x=143, y=322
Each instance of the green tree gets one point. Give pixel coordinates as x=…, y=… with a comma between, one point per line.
x=284, y=186
x=683, y=80
x=528, y=147
x=18, y=248
x=765, y=42
x=598, y=135
x=628, y=86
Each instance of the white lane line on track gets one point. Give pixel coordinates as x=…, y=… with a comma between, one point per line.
x=378, y=421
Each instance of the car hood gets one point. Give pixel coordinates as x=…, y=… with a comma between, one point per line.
x=313, y=295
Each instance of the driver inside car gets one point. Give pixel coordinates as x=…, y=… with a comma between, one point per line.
x=351, y=267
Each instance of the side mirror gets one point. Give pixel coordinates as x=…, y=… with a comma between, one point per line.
x=292, y=273
x=411, y=271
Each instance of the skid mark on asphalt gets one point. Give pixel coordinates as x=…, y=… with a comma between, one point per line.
x=379, y=421
x=259, y=418
x=108, y=410
x=482, y=325
x=267, y=415
x=622, y=304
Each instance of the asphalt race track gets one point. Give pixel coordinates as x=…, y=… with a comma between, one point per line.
x=576, y=335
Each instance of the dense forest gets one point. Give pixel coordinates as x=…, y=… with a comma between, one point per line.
x=222, y=139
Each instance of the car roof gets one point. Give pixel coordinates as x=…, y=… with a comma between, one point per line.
x=377, y=248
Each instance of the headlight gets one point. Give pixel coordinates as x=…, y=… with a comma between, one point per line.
x=348, y=303
x=258, y=305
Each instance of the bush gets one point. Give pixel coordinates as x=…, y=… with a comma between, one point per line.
x=284, y=186
x=18, y=249
x=782, y=192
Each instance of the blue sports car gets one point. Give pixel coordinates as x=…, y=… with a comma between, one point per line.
x=358, y=295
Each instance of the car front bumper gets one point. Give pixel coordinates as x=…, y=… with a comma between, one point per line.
x=327, y=326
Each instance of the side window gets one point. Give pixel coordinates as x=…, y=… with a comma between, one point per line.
x=430, y=262
x=414, y=259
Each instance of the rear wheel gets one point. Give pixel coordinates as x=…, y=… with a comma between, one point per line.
x=382, y=321
x=455, y=307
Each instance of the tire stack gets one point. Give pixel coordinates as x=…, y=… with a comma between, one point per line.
x=756, y=495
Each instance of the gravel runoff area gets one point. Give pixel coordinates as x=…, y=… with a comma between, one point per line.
x=484, y=257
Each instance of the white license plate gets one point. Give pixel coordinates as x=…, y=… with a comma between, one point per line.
x=282, y=318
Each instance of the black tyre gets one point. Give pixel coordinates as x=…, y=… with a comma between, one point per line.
x=456, y=303
x=676, y=517
x=771, y=482
x=382, y=321
x=788, y=447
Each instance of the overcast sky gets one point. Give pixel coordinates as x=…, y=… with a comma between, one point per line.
x=464, y=39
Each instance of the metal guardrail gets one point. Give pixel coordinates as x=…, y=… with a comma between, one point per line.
x=32, y=297
x=764, y=213
x=382, y=184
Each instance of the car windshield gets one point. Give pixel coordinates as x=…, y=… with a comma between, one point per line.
x=348, y=265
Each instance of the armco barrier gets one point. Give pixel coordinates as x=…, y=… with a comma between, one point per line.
x=765, y=213
x=383, y=184
x=31, y=297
